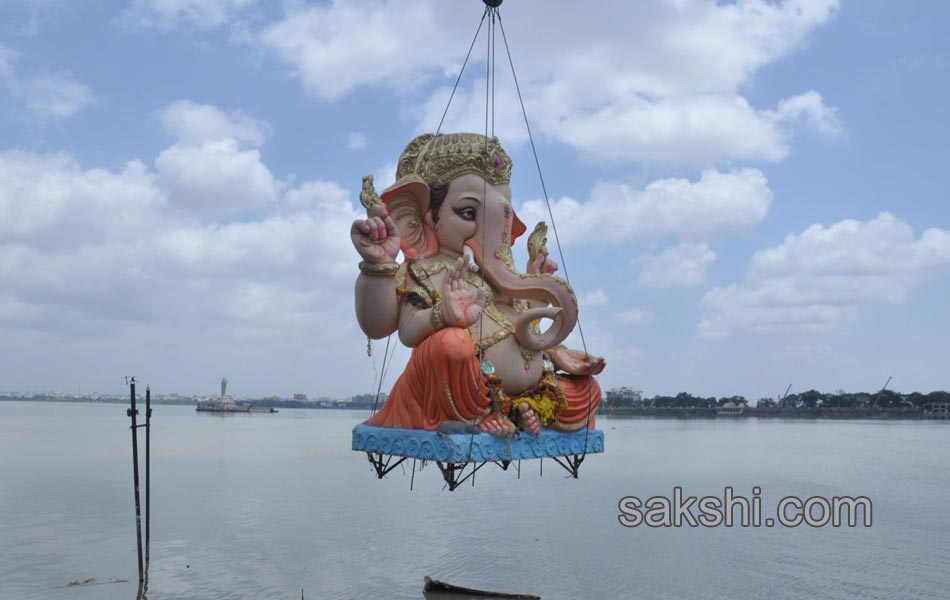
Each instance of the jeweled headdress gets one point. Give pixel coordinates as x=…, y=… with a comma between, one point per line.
x=442, y=158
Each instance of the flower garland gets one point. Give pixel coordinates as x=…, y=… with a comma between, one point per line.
x=546, y=400
x=500, y=404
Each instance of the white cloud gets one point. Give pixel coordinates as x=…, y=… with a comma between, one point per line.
x=594, y=298
x=96, y=250
x=70, y=238
x=356, y=140
x=8, y=58
x=55, y=95
x=697, y=130
x=306, y=244
x=654, y=81
x=47, y=95
x=166, y=15
x=694, y=129
x=384, y=176
x=330, y=48
x=312, y=195
x=216, y=176
x=808, y=109
x=817, y=281
x=27, y=17
x=207, y=169
x=714, y=47
x=194, y=123
x=617, y=213
x=467, y=111
x=636, y=316
x=48, y=200
x=683, y=265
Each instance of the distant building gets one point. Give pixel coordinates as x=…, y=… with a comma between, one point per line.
x=624, y=396
x=938, y=410
x=300, y=397
x=365, y=401
x=223, y=403
x=730, y=409
x=224, y=399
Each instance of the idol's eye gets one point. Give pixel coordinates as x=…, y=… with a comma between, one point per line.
x=466, y=213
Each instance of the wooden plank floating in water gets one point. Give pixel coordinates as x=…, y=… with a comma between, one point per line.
x=434, y=589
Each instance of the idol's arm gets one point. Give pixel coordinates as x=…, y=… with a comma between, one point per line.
x=377, y=242
x=457, y=305
x=377, y=305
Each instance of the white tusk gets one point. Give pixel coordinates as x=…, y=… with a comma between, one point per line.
x=471, y=259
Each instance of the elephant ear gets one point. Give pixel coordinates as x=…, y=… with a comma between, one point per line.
x=407, y=202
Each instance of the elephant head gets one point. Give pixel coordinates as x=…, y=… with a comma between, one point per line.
x=451, y=197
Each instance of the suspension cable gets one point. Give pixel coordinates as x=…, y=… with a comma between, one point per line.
x=462, y=70
x=489, y=94
x=382, y=375
x=492, y=11
x=389, y=361
x=557, y=240
x=492, y=49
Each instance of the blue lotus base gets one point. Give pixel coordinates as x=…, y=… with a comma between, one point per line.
x=480, y=447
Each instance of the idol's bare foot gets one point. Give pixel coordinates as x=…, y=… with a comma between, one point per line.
x=527, y=419
x=498, y=426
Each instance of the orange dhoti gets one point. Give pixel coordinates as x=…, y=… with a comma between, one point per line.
x=443, y=382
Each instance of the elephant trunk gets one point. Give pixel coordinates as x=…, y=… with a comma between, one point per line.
x=543, y=289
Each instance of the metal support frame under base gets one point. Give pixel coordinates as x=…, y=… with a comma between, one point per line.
x=571, y=463
x=381, y=465
x=455, y=473
x=459, y=456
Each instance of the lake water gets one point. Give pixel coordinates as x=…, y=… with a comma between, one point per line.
x=262, y=506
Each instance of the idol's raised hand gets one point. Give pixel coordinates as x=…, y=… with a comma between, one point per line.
x=462, y=304
x=376, y=237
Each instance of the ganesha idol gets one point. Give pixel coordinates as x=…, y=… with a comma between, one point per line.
x=485, y=338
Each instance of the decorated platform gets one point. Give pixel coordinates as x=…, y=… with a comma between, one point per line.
x=478, y=447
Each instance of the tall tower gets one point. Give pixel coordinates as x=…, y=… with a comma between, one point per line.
x=224, y=386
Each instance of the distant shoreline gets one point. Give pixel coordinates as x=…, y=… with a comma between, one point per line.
x=262, y=403
x=891, y=414
x=887, y=414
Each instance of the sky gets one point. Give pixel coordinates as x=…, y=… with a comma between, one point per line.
x=747, y=194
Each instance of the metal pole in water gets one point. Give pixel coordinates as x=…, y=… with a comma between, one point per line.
x=132, y=412
x=148, y=478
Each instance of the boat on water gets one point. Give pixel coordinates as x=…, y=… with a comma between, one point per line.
x=439, y=590
x=217, y=407
x=226, y=404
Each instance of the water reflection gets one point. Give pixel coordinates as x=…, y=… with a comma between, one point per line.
x=262, y=506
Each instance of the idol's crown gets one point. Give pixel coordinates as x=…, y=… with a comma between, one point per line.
x=442, y=158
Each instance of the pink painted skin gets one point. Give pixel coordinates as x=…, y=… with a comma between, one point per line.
x=377, y=226
x=462, y=304
x=574, y=362
x=542, y=264
x=377, y=317
x=527, y=419
x=497, y=426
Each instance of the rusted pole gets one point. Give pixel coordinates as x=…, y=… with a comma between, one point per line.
x=133, y=412
x=148, y=478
